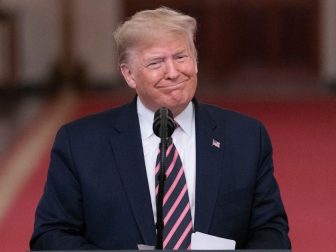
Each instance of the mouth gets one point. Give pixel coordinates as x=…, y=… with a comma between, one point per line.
x=172, y=85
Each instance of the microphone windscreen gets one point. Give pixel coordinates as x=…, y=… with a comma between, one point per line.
x=163, y=116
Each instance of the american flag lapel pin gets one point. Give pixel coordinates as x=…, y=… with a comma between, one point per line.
x=215, y=143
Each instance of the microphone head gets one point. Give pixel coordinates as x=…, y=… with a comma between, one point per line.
x=161, y=117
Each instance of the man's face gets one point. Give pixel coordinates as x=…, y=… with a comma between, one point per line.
x=163, y=72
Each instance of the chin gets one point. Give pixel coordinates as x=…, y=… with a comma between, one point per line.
x=178, y=108
x=175, y=103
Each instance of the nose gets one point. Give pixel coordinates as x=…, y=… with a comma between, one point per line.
x=171, y=70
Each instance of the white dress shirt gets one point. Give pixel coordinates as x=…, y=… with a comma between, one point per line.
x=184, y=140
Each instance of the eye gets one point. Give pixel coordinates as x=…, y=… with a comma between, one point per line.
x=181, y=57
x=154, y=64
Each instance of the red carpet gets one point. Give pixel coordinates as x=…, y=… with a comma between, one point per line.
x=16, y=228
x=304, y=141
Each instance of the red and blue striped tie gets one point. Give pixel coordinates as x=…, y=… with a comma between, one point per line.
x=176, y=210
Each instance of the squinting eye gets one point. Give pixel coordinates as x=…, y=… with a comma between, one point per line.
x=181, y=58
x=154, y=65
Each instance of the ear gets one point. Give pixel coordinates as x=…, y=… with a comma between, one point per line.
x=128, y=75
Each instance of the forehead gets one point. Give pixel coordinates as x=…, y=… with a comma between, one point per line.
x=162, y=44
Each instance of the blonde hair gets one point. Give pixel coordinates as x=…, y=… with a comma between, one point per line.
x=147, y=24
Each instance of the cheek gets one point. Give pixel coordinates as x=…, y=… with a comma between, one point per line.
x=190, y=69
x=193, y=79
x=151, y=77
x=146, y=82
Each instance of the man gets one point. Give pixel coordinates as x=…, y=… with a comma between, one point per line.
x=101, y=186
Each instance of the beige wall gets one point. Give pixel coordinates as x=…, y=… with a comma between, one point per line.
x=39, y=36
x=37, y=26
x=328, y=40
x=96, y=21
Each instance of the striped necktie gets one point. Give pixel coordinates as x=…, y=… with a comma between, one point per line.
x=176, y=210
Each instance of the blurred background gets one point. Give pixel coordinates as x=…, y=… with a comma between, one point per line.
x=272, y=59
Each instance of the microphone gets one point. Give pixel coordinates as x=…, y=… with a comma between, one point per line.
x=163, y=125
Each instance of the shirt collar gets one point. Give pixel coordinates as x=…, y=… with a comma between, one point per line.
x=146, y=117
x=185, y=119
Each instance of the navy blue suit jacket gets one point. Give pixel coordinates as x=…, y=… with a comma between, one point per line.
x=97, y=197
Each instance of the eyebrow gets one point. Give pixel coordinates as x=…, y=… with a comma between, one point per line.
x=180, y=52
x=153, y=58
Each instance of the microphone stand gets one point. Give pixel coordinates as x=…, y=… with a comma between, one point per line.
x=162, y=177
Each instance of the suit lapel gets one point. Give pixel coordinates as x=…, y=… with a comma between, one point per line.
x=209, y=155
x=127, y=147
